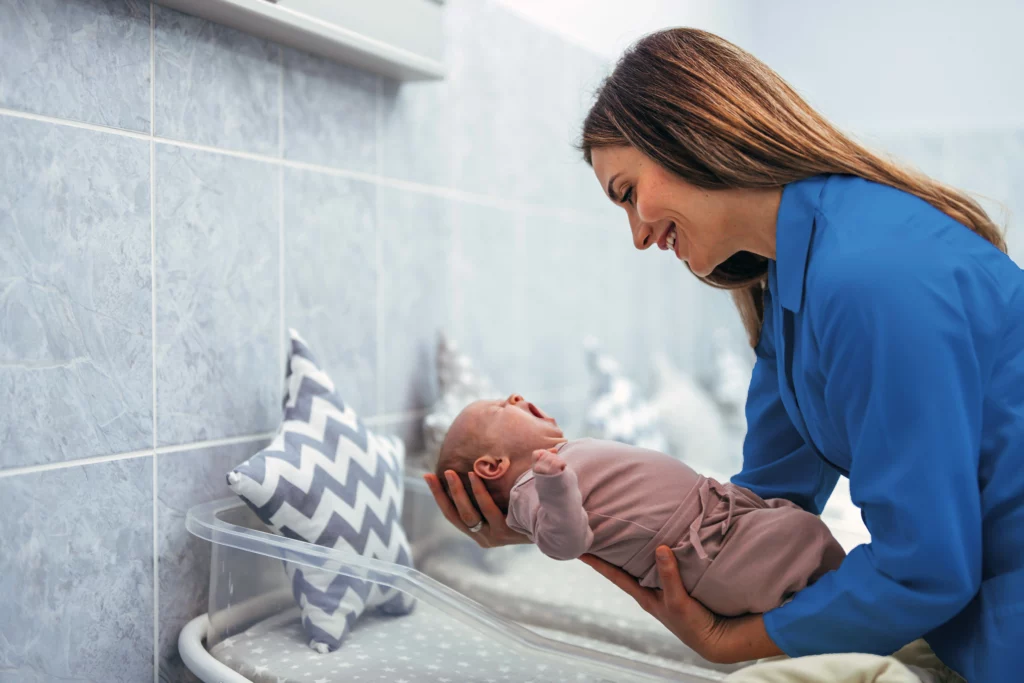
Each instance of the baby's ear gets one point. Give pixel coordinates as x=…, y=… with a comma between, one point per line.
x=489, y=467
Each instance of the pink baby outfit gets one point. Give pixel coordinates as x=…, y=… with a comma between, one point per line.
x=737, y=553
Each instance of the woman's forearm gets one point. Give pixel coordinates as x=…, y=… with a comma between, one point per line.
x=742, y=639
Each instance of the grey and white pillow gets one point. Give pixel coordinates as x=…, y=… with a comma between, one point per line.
x=326, y=479
x=616, y=411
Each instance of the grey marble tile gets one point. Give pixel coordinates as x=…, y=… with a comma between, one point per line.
x=86, y=60
x=654, y=303
x=923, y=152
x=183, y=480
x=75, y=322
x=215, y=85
x=217, y=296
x=416, y=243
x=537, y=164
x=718, y=320
x=584, y=73
x=1015, y=203
x=490, y=293
x=331, y=278
x=76, y=573
x=477, y=96
x=514, y=91
x=568, y=412
x=635, y=300
x=330, y=113
x=989, y=165
x=415, y=134
x=567, y=273
x=986, y=163
x=410, y=431
x=683, y=329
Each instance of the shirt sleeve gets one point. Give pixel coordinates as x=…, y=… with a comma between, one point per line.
x=549, y=509
x=777, y=463
x=905, y=390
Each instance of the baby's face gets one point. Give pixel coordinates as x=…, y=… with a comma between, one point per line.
x=513, y=422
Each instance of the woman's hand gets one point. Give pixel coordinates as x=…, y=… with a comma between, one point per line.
x=460, y=511
x=722, y=640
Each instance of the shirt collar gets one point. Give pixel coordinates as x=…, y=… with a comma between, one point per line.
x=523, y=478
x=794, y=229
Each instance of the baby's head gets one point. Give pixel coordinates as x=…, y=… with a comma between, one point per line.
x=495, y=440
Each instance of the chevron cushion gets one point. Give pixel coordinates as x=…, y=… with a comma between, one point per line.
x=326, y=479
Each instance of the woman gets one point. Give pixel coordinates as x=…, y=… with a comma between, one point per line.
x=889, y=331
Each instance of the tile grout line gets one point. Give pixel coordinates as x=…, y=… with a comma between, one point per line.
x=95, y=460
x=162, y=450
x=281, y=331
x=373, y=420
x=280, y=102
x=393, y=418
x=378, y=252
x=213, y=443
x=421, y=188
x=152, y=284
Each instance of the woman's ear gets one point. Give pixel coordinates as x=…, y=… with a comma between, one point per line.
x=490, y=467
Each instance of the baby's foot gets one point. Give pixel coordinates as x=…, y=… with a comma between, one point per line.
x=547, y=462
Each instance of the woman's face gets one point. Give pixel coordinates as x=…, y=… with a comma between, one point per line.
x=666, y=211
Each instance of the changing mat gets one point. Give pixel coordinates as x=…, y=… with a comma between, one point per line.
x=422, y=647
x=566, y=596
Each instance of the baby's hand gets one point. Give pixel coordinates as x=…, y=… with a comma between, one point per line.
x=547, y=462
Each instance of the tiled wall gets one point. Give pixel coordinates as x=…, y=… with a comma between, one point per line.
x=987, y=162
x=174, y=195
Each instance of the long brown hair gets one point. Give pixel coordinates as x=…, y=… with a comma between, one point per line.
x=719, y=118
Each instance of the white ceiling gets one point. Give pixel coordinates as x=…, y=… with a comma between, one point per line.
x=609, y=26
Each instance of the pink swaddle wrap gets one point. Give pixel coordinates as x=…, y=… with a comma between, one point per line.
x=737, y=553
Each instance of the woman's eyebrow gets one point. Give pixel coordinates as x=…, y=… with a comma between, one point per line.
x=611, y=192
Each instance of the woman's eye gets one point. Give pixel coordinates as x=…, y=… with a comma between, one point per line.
x=627, y=197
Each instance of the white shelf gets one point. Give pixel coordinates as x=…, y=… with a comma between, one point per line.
x=398, y=39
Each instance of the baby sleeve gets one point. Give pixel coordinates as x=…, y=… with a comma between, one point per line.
x=549, y=509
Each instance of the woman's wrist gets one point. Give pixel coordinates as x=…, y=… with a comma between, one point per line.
x=742, y=639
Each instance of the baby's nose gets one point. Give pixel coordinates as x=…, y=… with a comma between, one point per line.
x=515, y=399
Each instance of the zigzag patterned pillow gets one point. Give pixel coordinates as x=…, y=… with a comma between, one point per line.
x=616, y=411
x=326, y=479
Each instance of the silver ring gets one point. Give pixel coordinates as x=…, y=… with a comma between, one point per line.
x=476, y=527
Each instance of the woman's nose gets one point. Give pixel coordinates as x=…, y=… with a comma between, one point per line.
x=643, y=236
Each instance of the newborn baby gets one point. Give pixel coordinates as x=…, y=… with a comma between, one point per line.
x=737, y=553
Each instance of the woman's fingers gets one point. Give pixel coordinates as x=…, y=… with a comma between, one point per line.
x=491, y=511
x=442, y=499
x=671, y=582
x=460, y=512
x=467, y=513
x=645, y=597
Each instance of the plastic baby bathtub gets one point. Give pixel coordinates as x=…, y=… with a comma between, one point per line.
x=507, y=615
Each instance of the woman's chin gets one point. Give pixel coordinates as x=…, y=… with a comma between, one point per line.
x=701, y=270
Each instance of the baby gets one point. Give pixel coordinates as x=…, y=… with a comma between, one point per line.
x=737, y=553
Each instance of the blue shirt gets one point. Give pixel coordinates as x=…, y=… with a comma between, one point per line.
x=892, y=352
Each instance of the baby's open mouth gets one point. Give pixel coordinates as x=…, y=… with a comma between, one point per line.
x=535, y=411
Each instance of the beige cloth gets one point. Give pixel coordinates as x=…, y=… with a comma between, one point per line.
x=915, y=663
